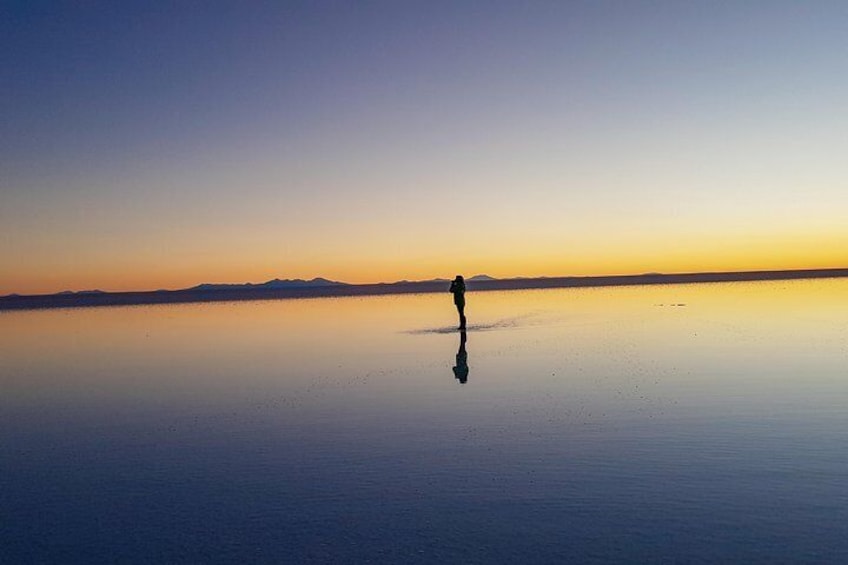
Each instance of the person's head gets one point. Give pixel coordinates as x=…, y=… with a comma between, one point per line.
x=459, y=279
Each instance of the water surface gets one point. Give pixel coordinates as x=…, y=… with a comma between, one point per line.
x=694, y=423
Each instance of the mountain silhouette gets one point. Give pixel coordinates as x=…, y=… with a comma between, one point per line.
x=272, y=284
x=318, y=287
x=475, y=278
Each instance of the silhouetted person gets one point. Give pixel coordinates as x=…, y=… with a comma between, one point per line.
x=458, y=289
x=461, y=369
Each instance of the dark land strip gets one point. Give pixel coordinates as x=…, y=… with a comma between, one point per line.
x=221, y=295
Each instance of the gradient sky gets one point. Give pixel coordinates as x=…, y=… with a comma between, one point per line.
x=159, y=145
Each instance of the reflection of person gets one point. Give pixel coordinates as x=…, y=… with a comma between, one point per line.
x=461, y=369
x=457, y=287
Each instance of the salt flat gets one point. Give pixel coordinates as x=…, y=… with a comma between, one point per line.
x=695, y=423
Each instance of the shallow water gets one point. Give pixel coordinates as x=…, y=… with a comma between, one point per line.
x=694, y=423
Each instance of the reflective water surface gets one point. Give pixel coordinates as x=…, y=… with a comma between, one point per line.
x=694, y=423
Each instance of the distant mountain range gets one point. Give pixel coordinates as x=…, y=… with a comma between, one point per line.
x=475, y=278
x=95, y=291
x=320, y=287
x=317, y=282
x=273, y=283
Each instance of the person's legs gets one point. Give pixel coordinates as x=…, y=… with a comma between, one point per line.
x=461, y=309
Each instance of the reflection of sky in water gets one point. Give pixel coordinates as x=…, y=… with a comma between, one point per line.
x=690, y=422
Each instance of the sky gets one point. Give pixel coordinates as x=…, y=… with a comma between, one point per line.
x=148, y=145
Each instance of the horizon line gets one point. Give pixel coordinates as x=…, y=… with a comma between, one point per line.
x=334, y=283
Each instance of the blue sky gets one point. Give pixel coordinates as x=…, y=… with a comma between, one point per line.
x=151, y=145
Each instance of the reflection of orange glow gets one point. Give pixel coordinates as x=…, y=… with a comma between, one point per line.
x=163, y=347
x=203, y=327
x=780, y=298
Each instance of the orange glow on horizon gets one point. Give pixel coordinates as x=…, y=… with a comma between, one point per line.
x=173, y=277
x=501, y=254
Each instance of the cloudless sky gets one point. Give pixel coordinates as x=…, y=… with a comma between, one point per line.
x=154, y=145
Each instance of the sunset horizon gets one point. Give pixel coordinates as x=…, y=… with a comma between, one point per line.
x=151, y=147
x=423, y=278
